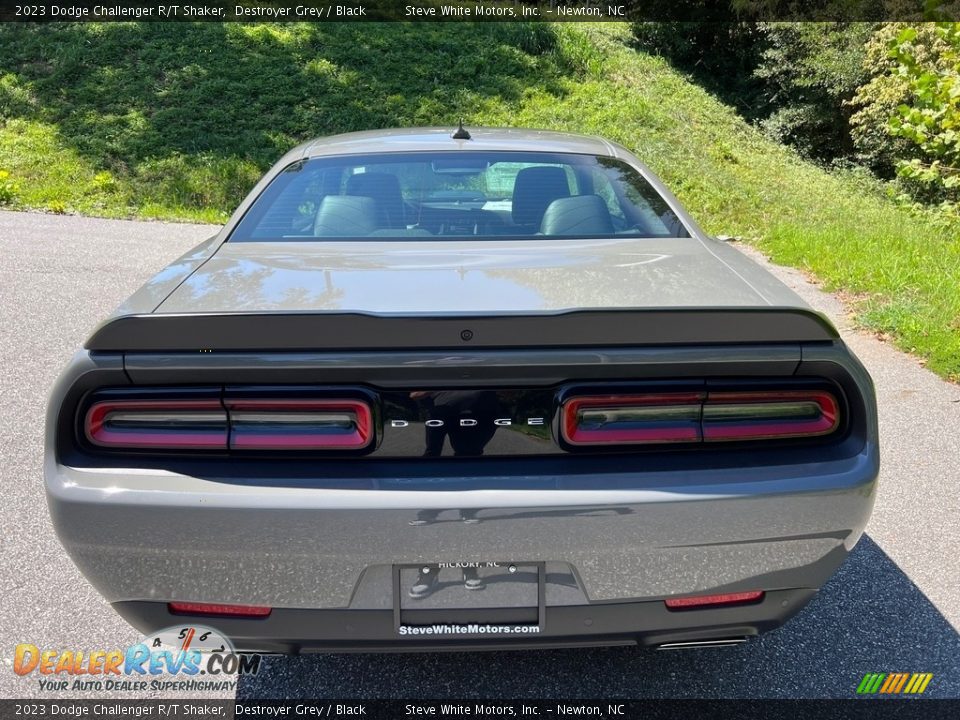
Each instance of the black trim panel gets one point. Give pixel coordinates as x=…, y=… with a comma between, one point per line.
x=463, y=422
x=580, y=328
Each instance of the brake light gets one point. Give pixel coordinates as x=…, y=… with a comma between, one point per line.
x=707, y=601
x=312, y=424
x=218, y=609
x=632, y=419
x=657, y=418
x=175, y=424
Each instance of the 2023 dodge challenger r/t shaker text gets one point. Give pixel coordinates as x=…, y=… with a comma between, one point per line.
x=494, y=389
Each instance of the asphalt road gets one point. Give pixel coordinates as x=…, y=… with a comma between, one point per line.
x=894, y=606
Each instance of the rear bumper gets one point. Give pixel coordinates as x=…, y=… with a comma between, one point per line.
x=158, y=536
x=644, y=623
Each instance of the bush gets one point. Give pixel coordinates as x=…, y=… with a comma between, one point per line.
x=930, y=120
x=877, y=99
x=8, y=188
x=794, y=80
x=810, y=72
x=720, y=56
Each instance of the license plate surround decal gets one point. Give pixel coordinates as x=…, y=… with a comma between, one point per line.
x=421, y=623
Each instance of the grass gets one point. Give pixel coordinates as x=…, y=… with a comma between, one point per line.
x=178, y=121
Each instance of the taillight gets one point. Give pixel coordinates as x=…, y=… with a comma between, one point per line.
x=691, y=417
x=218, y=609
x=204, y=421
x=632, y=419
x=174, y=424
x=769, y=415
x=710, y=601
x=289, y=424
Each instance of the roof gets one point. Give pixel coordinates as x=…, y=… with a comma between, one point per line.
x=432, y=139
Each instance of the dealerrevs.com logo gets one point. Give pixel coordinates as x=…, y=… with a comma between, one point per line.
x=894, y=683
x=189, y=658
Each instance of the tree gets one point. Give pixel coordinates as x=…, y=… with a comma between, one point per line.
x=930, y=119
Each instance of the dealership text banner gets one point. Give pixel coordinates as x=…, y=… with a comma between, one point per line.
x=485, y=11
x=199, y=709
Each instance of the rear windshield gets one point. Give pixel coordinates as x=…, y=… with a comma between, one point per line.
x=458, y=195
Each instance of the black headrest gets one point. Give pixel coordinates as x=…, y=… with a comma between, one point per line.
x=580, y=215
x=345, y=216
x=385, y=189
x=534, y=189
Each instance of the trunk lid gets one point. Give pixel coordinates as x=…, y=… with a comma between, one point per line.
x=463, y=277
x=469, y=295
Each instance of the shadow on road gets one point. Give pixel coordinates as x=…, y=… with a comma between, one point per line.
x=869, y=618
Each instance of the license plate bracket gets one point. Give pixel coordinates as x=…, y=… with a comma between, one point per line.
x=508, y=595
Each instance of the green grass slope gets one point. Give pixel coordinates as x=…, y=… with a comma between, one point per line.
x=178, y=121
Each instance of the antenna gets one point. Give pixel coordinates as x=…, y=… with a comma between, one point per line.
x=461, y=133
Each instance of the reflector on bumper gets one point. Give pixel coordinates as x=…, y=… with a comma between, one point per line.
x=705, y=601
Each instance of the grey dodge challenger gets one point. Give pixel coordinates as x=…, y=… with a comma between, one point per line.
x=434, y=389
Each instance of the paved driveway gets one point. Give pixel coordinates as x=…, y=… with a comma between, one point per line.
x=894, y=606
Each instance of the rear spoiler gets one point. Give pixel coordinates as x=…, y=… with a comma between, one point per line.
x=358, y=331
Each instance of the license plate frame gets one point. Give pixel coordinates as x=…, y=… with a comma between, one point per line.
x=531, y=616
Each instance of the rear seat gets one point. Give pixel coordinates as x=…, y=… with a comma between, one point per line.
x=345, y=216
x=579, y=215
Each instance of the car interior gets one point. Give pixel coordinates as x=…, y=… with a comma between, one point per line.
x=464, y=199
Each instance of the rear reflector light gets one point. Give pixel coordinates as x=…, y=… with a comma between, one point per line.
x=263, y=424
x=238, y=423
x=697, y=417
x=177, y=424
x=632, y=419
x=217, y=609
x=705, y=601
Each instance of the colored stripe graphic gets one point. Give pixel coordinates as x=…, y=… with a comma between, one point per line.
x=870, y=683
x=915, y=681
x=894, y=683
x=890, y=683
x=862, y=687
x=918, y=683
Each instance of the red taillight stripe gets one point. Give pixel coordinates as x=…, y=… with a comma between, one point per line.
x=704, y=601
x=218, y=609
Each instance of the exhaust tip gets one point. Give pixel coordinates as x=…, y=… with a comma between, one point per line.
x=695, y=644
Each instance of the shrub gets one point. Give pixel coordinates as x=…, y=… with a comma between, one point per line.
x=810, y=72
x=877, y=99
x=930, y=120
x=794, y=80
x=9, y=189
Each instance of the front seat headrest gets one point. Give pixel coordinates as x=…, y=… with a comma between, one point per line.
x=385, y=189
x=534, y=189
x=580, y=215
x=345, y=216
